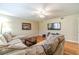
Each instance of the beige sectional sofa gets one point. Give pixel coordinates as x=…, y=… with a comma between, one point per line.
x=52, y=46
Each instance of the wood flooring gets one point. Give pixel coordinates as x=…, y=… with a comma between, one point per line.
x=71, y=48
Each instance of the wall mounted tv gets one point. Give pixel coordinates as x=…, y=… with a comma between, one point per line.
x=54, y=26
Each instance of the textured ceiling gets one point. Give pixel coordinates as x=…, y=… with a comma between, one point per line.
x=25, y=10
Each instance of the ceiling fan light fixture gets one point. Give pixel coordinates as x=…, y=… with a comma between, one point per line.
x=42, y=16
x=41, y=12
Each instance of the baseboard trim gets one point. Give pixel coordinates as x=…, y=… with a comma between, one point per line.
x=72, y=41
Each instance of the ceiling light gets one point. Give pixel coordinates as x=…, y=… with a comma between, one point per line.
x=48, y=9
x=42, y=16
x=41, y=12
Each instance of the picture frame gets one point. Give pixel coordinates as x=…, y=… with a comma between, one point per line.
x=26, y=26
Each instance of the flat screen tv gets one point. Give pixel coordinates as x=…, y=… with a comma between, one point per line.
x=54, y=26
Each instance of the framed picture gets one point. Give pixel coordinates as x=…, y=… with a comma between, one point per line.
x=26, y=26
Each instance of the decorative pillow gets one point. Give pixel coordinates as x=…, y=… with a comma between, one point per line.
x=8, y=36
x=48, y=37
x=16, y=44
x=2, y=40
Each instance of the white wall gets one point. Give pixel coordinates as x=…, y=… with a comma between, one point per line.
x=69, y=27
x=78, y=29
x=15, y=26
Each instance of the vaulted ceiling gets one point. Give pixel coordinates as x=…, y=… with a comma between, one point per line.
x=27, y=10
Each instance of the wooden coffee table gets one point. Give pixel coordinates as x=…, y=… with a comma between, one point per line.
x=39, y=39
x=33, y=40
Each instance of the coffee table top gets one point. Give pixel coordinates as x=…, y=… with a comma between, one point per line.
x=39, y=39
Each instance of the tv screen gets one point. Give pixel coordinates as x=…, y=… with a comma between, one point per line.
x=54, y=26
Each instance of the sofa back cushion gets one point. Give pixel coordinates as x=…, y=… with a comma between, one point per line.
x=60, y=49
x=51, y=45
x=61, y=38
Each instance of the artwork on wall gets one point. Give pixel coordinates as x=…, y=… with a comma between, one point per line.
x=54, y=26
x=26, y=26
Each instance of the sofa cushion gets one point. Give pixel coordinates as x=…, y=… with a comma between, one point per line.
x=20, y=37
x=8, y=36
x=35, y=50
x=51, y=45
x=16, y=44
x=3, y=40
x=16, y=52
x=61, y=38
